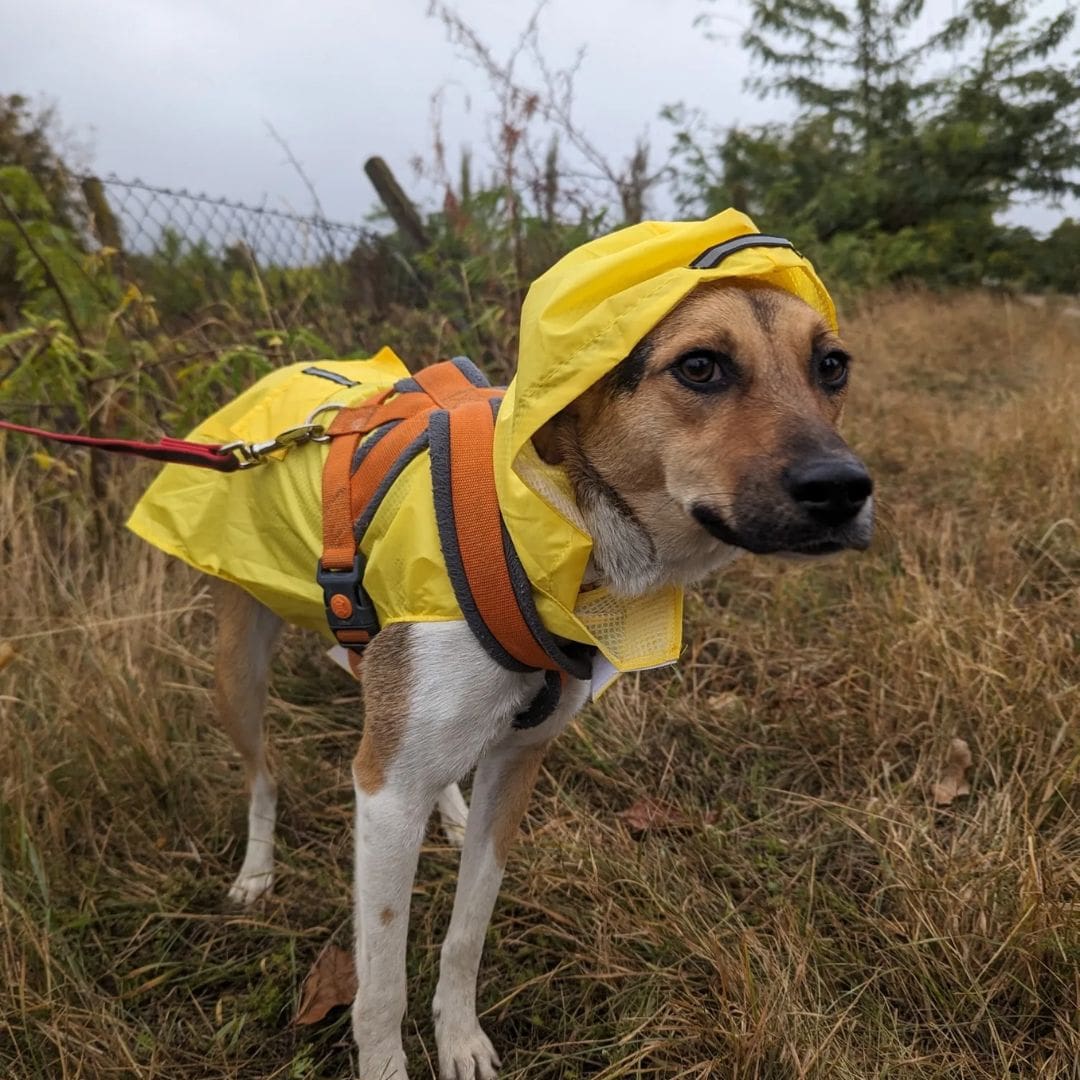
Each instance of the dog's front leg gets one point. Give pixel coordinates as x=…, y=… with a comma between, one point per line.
x=390, y=825
x=396, y=788
x=501, y=788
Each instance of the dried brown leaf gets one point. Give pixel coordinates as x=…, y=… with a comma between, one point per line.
x=330, y=982
x=953, y=782
x=653, y=814
x=7, y=654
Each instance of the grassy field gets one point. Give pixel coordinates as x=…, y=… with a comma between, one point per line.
x=809, y=913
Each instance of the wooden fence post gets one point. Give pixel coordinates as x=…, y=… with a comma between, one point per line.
x=405, y=215
x=104, y=220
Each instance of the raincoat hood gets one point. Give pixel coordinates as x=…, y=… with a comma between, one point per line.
x=586, y=313
x=579, y=320
x=262, y=528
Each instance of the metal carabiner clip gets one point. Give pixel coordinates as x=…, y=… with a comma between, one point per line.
x=252, y=454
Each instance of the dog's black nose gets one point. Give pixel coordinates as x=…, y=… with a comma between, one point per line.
x=831, y=490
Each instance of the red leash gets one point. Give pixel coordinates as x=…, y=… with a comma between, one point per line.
x=178, y=451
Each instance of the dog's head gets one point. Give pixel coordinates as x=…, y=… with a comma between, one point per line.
x=716, y=435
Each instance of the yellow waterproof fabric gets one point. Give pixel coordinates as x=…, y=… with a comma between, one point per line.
x=262, y=528
x=579, y=320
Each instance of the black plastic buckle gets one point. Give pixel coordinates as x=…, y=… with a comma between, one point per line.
x=349, y=609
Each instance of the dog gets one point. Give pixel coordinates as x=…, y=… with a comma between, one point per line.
x=715, y=436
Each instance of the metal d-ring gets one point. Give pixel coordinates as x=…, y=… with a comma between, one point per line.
x=309, y=422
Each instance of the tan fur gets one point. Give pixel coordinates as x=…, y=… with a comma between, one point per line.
x=646, y=445
x=239, y=692
x=638, y=440
x=387, y=664
x=515, y=798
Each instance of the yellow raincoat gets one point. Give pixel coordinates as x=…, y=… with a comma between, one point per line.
x=261, y=528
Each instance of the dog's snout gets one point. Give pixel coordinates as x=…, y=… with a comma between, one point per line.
x=831, y=490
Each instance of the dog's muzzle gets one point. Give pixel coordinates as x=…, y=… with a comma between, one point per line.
x=823, y=505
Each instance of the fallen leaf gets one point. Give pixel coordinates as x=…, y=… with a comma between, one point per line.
x=953, y=780
x=653, y=814
x=7, y=654
x=720, y=702
x=330, y=982
x=48, y=463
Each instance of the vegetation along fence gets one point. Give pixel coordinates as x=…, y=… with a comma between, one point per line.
x=136, y=217
x=191, y=249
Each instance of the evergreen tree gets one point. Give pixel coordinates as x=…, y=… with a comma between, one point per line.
x=905, y=142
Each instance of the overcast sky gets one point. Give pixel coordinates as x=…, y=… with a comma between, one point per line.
x=179, y=92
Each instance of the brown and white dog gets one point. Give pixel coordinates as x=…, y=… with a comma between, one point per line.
x=716, y=436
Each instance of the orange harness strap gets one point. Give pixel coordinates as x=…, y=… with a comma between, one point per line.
x=448, y=410
x=472, y=488
x=448, y=387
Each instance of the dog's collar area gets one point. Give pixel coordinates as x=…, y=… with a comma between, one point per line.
x=712, y=257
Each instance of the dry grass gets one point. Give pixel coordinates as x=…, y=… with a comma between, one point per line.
x=828, y=922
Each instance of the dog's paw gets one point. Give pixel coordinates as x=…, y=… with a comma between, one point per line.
x=466, y=1054
x=383, y=1065
x=247, y=888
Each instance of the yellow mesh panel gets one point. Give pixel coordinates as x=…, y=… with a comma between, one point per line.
x=636, y=631
x=550, y=483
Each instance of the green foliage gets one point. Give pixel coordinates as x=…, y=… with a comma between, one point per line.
x=28, y=139
x=892, y=169
x=87, y=341
x=142, y=341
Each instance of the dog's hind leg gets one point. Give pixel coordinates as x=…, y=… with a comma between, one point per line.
x=247, y=634
x=454, y=814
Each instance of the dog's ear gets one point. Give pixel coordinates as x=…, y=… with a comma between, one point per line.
x=559, y=440
x=550, y=440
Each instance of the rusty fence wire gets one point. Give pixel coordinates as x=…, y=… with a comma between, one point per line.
x=192, y=250
x=149, y=219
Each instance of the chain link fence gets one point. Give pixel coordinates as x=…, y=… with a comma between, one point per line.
x=192, y=251
x=148, y=219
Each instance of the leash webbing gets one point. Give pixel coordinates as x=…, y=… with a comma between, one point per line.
x=175, y=451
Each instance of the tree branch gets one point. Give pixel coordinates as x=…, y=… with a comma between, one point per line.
x=49, y=275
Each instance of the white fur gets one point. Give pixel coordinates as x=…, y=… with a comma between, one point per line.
x=461, y=708
x=633, y=562
x=459, y=717
x=256, y=875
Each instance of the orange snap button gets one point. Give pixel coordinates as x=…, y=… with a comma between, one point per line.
x=340, y=605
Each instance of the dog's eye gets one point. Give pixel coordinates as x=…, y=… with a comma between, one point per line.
x=704, y=370
x=832, y=370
